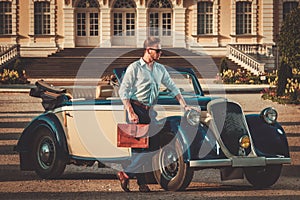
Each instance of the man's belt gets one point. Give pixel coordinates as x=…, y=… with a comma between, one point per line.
x=139, y=104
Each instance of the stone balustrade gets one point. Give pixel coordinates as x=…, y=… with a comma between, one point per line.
x=244, y=59
x=8, y=52
x=255, y=49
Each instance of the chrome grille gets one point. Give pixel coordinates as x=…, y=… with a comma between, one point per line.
x=230, y=123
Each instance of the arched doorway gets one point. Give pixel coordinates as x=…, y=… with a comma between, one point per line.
x=160, y=21
x=124, y=23
x=87, y=23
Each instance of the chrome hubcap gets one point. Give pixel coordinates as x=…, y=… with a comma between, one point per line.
x=46, y=153
x=169, y=164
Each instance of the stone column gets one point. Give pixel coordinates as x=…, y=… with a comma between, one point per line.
x=232, y=22
x=69, y=27
x=179, y=27
x=105, y=26
x=141, y=21
x=267, y=27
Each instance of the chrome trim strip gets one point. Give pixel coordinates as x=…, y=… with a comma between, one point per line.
x=100, y=159
x=89, y=108
x=273, y=161
x=215, y=130
x=244, y=162
x=210, y=163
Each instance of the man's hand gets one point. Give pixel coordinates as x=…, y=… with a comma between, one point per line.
x=182, y=102
x=133, y=118
x=187, y=108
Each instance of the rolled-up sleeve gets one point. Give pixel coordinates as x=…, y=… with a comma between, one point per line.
x=169, y=83
x=127, y=83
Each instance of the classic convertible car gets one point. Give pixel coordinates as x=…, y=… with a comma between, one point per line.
x=82, y=130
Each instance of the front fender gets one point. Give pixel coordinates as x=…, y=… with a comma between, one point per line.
x=269, y=140
x=189, y=136
x=26, y=141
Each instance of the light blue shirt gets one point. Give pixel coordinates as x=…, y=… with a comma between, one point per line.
x=142, y=84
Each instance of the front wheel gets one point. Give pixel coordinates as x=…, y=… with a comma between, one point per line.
x=48, y=157
x=170, y=170
x=261, y=177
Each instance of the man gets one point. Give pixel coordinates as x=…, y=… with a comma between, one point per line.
x=138, y=91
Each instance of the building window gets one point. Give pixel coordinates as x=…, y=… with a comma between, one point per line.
x=5, y=18
x=87, y=18
x=130, y=24
x=166, y=24
x=124, y=4
x=204, y=18
x=81, y=21
x=118, y=24
x=41, y=18
x=243, y=18
x=124, y=18
x=94, y=24
x=160, y=4
x=288, y=7
x=154, y=24
x=160, y=23
x=163, y=20
x=160, y=18
x=87, y=4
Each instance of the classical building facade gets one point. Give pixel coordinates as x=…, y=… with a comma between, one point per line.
x=42, y=27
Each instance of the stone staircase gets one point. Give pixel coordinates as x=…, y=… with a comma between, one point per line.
x=255, y=58
x=8, y=54
x=98, y=62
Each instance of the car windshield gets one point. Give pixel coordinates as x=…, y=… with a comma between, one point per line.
x=183, y=81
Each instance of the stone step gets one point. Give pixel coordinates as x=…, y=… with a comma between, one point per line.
x=93, y=63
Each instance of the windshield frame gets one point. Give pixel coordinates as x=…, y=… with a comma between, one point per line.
x=195, y=81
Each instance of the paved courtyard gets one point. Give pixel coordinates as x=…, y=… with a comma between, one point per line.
x=18, y=109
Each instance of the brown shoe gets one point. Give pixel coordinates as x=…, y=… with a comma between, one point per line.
x=124, y=180
x=144, y=188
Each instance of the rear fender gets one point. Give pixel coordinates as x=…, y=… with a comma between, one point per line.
x=26, y=141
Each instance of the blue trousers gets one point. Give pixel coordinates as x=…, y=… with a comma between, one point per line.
x=140, y=157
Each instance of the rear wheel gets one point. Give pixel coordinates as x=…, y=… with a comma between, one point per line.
x=48, y=157
x=171, y=172
x=262, y=177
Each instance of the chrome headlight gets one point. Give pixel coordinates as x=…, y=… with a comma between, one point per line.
x=269, y=115
x=193, y=117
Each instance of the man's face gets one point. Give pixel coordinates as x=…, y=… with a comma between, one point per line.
x=155, y=51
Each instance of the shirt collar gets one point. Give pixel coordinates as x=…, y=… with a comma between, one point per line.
x=143, y=63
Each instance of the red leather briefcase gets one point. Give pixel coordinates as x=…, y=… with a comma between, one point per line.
x=133, y=135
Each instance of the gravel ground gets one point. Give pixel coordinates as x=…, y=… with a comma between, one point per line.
x=17, y=109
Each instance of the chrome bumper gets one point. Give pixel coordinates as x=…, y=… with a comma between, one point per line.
x=239, y=162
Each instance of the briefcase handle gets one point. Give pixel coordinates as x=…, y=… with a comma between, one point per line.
x=135, y=130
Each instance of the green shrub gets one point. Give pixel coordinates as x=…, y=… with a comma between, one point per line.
x=244, y=77
x=291, y=92
x=13, y=74
x=224, y=65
